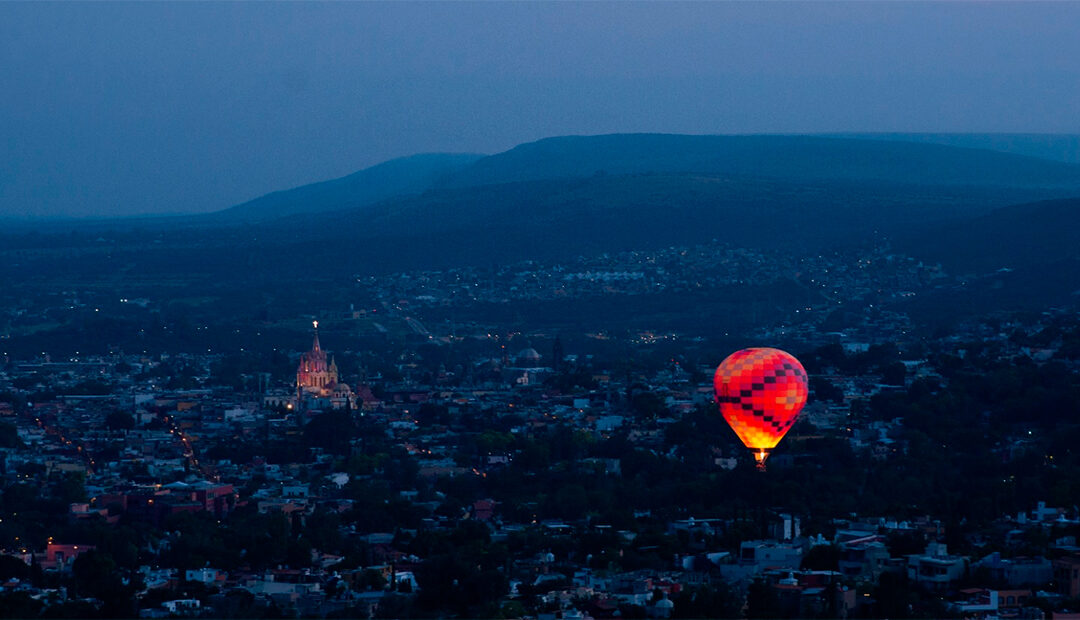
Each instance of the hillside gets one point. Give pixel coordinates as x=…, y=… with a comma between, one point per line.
x=1012, y=237
x=1055, y=147
x=549, y=219
x=793, y=158
x=556, y=218
x=785, y=159
x=256, y=265
x=397, y=177
x=566, y=217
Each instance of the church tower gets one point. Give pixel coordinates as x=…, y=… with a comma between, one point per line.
x=317, y=379
x=313, y=373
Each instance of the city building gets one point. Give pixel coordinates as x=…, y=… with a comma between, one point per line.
x=317, y=381
x=936, y=569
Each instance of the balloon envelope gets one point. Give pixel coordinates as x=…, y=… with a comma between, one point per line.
x=760, y=393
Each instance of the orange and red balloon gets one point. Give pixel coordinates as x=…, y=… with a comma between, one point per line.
x=760, y=393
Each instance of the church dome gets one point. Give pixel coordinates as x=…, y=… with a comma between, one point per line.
x=528, y=355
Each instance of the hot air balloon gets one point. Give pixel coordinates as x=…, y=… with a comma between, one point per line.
x=760, y=393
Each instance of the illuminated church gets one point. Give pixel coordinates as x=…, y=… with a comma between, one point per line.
x=317, y=384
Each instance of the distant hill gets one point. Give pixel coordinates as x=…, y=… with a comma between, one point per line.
x=1012, y=222
x=786, y=159
x=396, y=177
x=560, y=218
x=1012, y=237
x=1056, y=147
x=564, y=197
x=792, y=158
x=561, y=197
x=1023, y=256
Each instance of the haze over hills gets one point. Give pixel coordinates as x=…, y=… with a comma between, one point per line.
x=1024, y=256
x=573, y=195
x=557, y=218
x=558, y=196
x=282, y=254
x=782, y=158
x=786, y=157
x=1055, y=147
x=1016, y=236
x=570, y=196
x=968, y=175
x=396, y=177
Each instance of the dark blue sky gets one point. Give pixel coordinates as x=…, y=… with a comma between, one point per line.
x=118, y=109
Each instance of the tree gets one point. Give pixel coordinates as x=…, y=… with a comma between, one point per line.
x=9, y=438
x=821, y=557
x=19, y=605
x=453, y=582
x=95, y=575
x=119, y=420
x=372, y=579
x=707, y=602
x=761, y=601
x=71, y=489
x=893, y=374
x=391, y=606
x=570, y=502
x=893, y=596
x=647, y=405
x=332, y=431
x=824, y=390
x=13, y=568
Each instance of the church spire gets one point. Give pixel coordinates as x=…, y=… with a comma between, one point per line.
x=315, y=345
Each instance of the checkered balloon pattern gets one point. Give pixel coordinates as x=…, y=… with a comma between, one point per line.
x=760, y=393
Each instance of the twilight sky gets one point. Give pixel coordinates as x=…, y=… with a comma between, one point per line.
x=121, y=109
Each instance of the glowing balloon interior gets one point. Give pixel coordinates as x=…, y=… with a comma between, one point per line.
x=760, y=393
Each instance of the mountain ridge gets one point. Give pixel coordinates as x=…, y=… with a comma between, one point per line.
x=787, y=158
x=407, y=175
x=1053, y=147
x=792, y=157
x=1010, y=237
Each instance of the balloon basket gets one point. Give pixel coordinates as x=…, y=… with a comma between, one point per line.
x=759, y=458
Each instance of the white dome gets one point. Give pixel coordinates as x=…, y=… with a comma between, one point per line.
x=528, y=355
